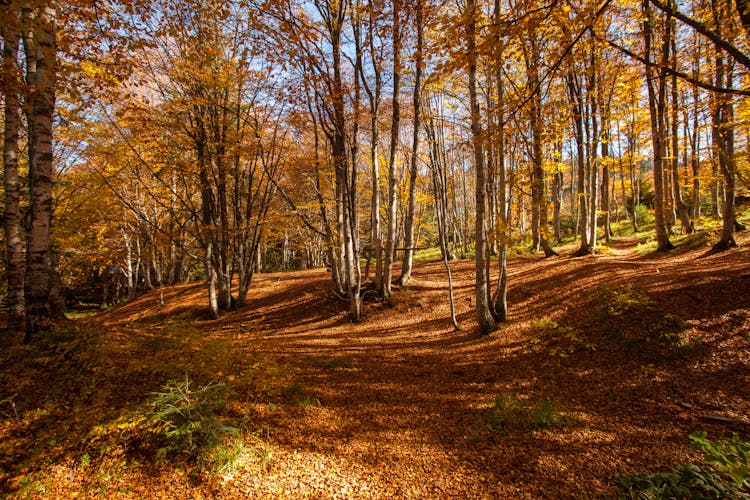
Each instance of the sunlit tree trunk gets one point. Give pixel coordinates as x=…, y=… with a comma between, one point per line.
x=575, y=97
x=695, y=143
x=440, y=195
x=680, y=206
x=657, y=105
x=12, y=217
x=373, y=94
x=723, y=136
x=345, y=179
x=390, y=238
x=483, y=314
x=406, y=265
x=500, y=297
x=131, y=277
x=593, y=161
x=539, y=212
x=605, y=197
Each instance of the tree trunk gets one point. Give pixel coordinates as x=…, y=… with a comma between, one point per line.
x=482, y=288
x=723, y=131
x=390, y=238
x=345, y=179
x=539, y=212
x=575, y=97
x=440, y=195
x=500, y=299
x=406, y=264
x=41, y=54
x=12, y=217
x=680, y=206
x=656, y=101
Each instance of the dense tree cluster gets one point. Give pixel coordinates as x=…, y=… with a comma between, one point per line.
x=153, y=143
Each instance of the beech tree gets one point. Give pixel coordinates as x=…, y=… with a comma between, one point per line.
x=34, y=25
x=12, y=217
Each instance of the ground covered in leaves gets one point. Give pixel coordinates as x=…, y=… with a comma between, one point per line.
x=605, y=366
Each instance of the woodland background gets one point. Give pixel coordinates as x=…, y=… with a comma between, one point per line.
x=153, y=145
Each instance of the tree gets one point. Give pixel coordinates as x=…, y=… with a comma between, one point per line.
x=657, y=111
x=12, y=217
x=390, y=238
x=482, y=283
x=499, y=300
x=41, y=75
x=409, y=223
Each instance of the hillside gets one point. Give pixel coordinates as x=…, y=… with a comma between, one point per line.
x=605, y=367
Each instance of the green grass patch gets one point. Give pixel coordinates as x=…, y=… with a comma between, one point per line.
x=428, y=255
x=632, y=317
x=296, y=393
x=562, y=341
x=332, y=362
x=510, y=413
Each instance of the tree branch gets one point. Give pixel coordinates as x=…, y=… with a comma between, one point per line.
x=704, y=30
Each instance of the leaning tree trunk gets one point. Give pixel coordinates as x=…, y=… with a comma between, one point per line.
x=13, y=240
x=41, y=53
x=500, y=297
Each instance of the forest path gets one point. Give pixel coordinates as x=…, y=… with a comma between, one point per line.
x=636, y=348
x=401, y=393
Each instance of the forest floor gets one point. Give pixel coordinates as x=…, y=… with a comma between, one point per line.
x=606, y=365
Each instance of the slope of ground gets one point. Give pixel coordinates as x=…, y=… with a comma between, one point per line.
x=639, y=350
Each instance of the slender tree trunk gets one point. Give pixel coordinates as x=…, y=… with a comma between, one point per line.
x=390, y=240
x=723, y=130
x=575, y=97
x=656, y=101
x=605, y=188
x=724, y=117
x=500, y=297
x=12, y=217
x=679, y=203
x=440, y=195
x=694, y=156
x=374, y=99
x=482, y=289
x=406, y=265
x=345, y=179
x=593, y=159
x=539, y=212
x=129, y=275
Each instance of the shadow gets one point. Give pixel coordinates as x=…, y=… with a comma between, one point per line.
x=402, y=415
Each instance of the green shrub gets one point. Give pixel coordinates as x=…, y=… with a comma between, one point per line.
x=724, y=474
x=509, y=412
x=730, y=457
x=644, y=215
x=184, y=418
x=624, y=301
x=297, y=394
x=568, y=339
x=548, y=415
x=632, y=316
